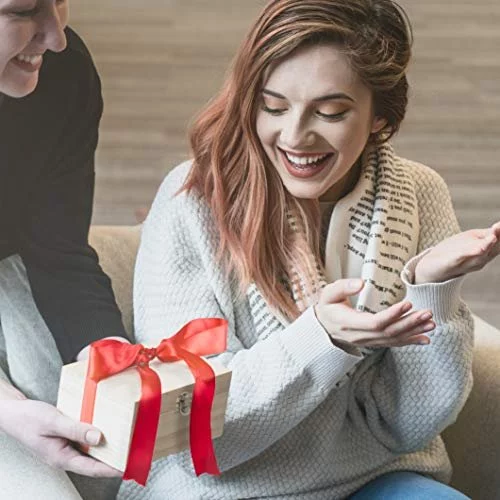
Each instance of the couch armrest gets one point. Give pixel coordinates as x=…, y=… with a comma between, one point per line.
x=473, y=441
x=117, y=248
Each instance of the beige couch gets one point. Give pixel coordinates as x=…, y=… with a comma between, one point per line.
x=473, y=441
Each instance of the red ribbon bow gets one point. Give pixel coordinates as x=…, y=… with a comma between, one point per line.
x=200, y=337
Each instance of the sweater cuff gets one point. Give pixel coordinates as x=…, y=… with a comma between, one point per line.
x=442, y=298
x=89, y=331
x=307, y=342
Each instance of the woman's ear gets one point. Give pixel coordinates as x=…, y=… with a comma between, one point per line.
x=378, y=124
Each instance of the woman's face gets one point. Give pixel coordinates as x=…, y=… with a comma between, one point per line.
x=314, y=120
x=28, y=28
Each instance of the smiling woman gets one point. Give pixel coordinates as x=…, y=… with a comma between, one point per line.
x=333, y=259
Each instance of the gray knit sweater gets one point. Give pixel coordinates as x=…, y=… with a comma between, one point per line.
x=305, y=419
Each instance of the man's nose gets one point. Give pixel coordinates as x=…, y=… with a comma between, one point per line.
x=51, y=30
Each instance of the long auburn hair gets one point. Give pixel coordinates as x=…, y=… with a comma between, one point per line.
x=231, y=171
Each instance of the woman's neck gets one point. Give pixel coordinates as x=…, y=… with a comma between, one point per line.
x=344, y=186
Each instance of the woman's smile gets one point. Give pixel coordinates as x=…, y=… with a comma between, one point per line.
x=305, y=165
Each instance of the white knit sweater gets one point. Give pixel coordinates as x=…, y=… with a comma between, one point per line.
x=305, y=420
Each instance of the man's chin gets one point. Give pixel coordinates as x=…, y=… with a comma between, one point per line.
x=18, y=90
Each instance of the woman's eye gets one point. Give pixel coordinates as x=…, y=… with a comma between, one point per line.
x=331, y=117
x=273, y=111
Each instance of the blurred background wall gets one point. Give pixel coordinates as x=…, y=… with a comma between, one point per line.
x=161, y=60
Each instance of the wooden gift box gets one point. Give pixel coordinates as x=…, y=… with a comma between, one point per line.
x=117, y=400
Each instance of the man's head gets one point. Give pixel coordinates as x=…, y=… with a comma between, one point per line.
x=28, y=28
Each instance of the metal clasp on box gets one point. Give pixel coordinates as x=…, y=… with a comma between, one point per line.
x=183, y=403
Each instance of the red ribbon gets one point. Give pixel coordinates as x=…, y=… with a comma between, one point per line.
x=200, y=337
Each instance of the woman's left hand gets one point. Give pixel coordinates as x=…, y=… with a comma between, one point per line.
x=460, y=254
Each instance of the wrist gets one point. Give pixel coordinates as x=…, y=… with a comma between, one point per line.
x=8, y=395
x=334, y=339
x=419, y=278
x=422, y=271
x=318, y=312
x=414, y=273
x=347, y=347
x=84, y=353
x=423, y=278
x=8, y=392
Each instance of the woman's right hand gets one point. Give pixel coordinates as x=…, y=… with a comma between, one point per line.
x=393, y=327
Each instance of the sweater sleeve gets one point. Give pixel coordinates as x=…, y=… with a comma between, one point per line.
x=276, y=381
x=70, y=289
x=408, y=395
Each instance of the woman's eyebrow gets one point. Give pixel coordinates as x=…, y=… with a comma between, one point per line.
x=334, y=97
x=329, y=97
x=273, y=94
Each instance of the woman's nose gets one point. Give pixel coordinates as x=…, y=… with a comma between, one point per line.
x=296, y=134
x=51, y=30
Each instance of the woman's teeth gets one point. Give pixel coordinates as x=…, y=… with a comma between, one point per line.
x=29, y=59
x=305, y=160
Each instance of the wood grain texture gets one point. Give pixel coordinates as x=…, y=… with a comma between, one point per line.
x=117, y=402
x=162, y=60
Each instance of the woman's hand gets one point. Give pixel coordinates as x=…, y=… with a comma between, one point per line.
x=393, y=327
x=460, y=254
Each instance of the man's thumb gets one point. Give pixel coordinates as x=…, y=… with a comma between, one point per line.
x=76, y=431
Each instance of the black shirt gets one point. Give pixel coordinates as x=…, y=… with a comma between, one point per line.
x=47, y=147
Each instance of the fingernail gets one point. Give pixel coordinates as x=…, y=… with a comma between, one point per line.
x=93, y=437
x=426, y=316
x=354, y=284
